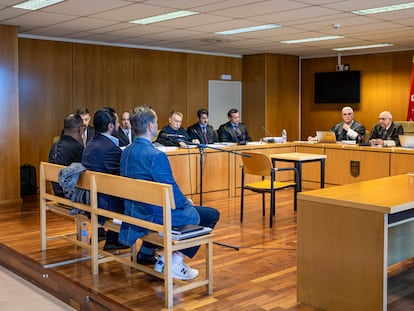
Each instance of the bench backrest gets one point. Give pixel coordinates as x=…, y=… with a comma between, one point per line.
x=136, y=190
x=50, y=172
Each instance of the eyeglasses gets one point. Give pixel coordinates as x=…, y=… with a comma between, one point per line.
x=383, y=118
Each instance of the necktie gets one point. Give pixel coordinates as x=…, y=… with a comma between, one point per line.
x=204, y=130
x=127, y=135
x=384, y=134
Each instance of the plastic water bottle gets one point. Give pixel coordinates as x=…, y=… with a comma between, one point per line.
x=284, y=136
x=84, y=233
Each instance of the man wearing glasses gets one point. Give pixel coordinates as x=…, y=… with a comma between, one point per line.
x=385, y=132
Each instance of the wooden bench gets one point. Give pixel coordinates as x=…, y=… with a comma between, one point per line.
x=156, y=194
x=136, y=190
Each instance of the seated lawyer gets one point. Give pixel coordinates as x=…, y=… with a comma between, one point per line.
x=174, y=134
x=202, y=131
x=125, y=133
x=233, y=130
x=385, y=132
x=349, y=129
x=141, y=160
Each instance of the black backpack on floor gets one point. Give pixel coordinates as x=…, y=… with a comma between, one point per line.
x=28, y=180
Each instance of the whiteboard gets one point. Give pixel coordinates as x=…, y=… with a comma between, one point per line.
x=223, y=96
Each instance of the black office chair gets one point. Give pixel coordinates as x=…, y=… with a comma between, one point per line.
x=260, y=164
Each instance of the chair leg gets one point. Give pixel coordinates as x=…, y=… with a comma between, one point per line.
x=241, y=204
x=263, y=205
x=295, y=200
x=272, y=208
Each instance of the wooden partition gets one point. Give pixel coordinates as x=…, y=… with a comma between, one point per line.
x=9, y=117
x=385, y=85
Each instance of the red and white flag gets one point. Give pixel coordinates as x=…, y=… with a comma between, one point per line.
x=410, y=114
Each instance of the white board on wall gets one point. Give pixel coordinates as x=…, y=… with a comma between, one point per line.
x=223, y=96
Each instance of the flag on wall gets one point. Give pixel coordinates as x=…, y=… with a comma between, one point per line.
x=410, y=114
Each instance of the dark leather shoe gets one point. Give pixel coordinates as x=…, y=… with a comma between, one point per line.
x=101, y=234
x=145, y=259
x=114, y=246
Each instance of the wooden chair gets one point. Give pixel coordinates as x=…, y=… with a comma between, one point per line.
x=259, y=164
x=156, y=194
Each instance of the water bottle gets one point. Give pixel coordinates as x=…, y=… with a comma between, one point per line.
x=84, y=232
x=284, y=136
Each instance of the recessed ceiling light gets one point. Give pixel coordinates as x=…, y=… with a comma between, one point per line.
x=312, y=39
x=35, y=4
x=383, y=9
x=248, y=29
x=363, y=47
x=163, y=17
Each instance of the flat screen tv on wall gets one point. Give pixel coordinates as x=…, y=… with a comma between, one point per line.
x=337, y=87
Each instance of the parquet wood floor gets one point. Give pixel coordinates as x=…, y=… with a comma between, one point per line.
x=260, y=275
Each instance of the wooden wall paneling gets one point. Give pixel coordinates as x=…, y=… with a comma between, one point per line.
x=385, y=85
x=201, y=69
x=161, y=82
x=254, y=96
x=282, y=95
x=103, y=76
x=9, y=117
x=45, y=91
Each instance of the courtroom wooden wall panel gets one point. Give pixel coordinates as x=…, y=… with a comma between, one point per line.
x=45, y=91
x=254, y=96
x=161, y=83
x=385, y=82
x=103, y=76
x=9, y=118
x=201, y=69
x=282, y=94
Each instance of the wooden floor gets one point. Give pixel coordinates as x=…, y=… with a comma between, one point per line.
x=260, y=275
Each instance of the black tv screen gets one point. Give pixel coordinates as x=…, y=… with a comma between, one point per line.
x=338, y=87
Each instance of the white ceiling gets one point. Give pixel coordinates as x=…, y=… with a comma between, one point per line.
x=106, y=22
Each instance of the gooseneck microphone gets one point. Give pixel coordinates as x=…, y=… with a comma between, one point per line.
x=266, y=131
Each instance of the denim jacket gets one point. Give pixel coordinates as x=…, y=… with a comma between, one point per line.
x=141, y=160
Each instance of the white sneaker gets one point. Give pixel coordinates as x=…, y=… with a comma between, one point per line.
x=183, y=272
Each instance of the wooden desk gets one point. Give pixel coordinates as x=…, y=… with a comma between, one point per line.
x=345, y=242
x=298, y=158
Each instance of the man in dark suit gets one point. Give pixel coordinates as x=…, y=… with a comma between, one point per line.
x=68, y=149
x=386, y=132
x=201, y=130
x=125, y=134
x=233, y=130
x=174, y=134
x=102, y=154
x=88, y=131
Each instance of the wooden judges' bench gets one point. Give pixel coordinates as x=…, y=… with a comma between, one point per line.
x=344, y=164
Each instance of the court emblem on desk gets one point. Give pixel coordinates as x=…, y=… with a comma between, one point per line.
x=354, y=168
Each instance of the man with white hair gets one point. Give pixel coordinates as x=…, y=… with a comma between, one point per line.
x=386, y=132
x=349, y=129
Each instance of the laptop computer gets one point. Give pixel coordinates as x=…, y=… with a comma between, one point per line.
x=188, y=231
x=326, y=137
x=406, y=141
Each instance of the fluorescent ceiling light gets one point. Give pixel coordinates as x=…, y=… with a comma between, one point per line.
x=163, y=17
x=363, y=47
x=383, y=9
x=312, y=39
x=35, y=4
x=248, y=29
